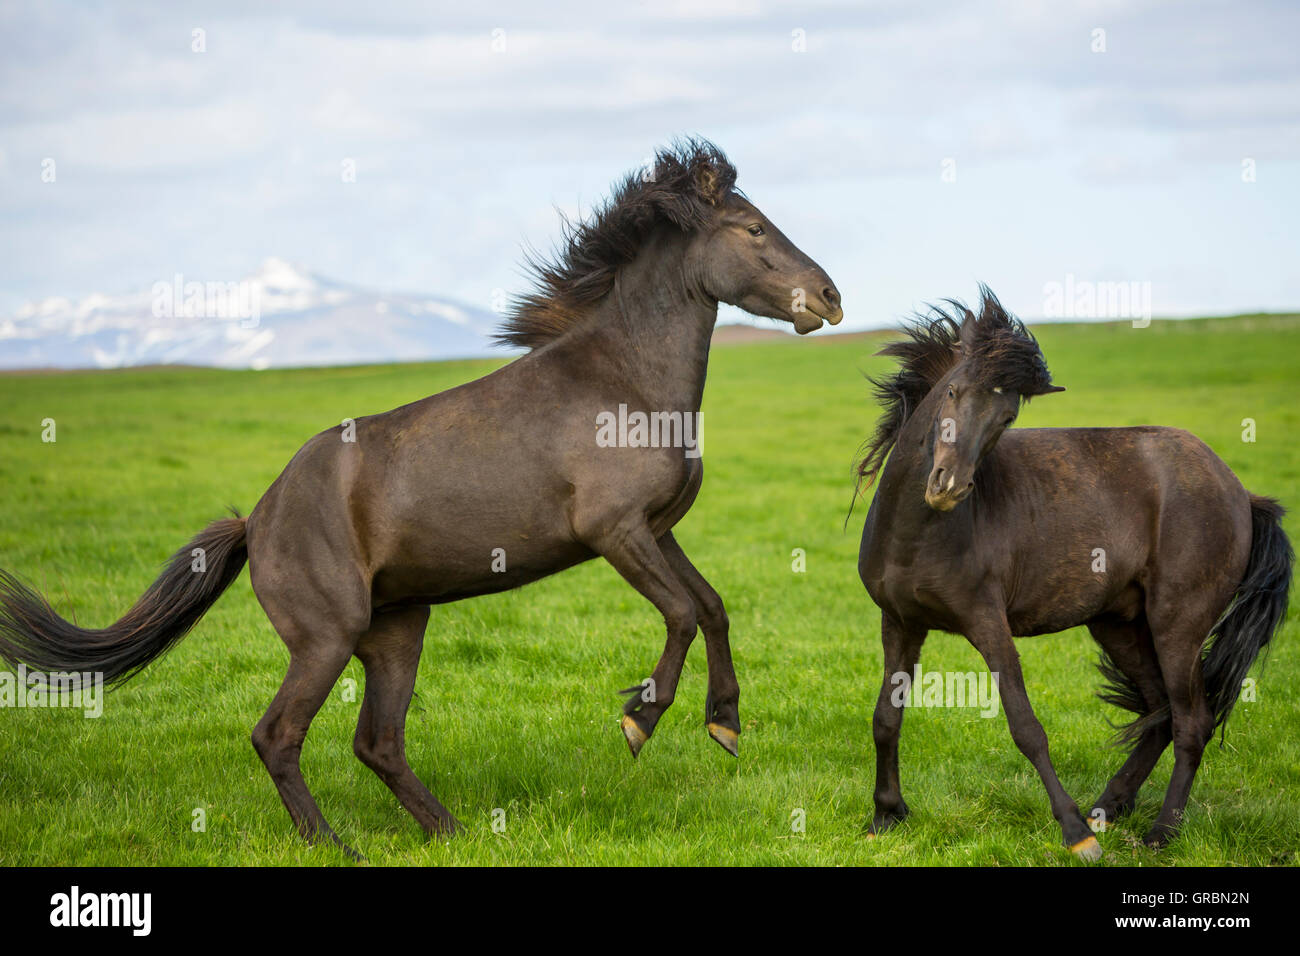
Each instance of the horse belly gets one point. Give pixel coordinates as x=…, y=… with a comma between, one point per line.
x=1064, y=596
x=458, y=538
x=452, y=576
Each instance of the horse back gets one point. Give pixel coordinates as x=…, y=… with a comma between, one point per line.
x=1095, y=522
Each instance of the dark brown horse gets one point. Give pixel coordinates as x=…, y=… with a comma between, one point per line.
x=1142, y=534
x=491, y=485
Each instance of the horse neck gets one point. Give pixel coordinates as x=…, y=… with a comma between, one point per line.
x=902, y=480
x=910, y=456
x=658, y=327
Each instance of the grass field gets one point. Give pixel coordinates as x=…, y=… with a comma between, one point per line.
x=516, y=703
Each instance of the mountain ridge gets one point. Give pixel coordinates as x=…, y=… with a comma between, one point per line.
x=281, y=316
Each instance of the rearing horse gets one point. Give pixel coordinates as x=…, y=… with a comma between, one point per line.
x=490, y=485
x=993, y=534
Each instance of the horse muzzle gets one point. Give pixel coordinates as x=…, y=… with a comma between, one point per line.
x=943, y=491
x=824, y=307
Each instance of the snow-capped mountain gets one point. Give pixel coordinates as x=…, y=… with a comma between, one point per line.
x=281, y=315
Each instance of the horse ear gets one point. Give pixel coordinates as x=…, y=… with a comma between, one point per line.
x=706, y=181
x=967, y=333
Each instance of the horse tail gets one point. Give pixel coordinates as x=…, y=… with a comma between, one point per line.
x=32, y=634
x=1256, y=612
x=1124, y=693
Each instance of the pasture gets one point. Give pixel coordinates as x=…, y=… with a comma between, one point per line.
x=515, y=720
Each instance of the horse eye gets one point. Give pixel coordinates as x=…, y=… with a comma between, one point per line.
x=951, y=393
x=756, y=230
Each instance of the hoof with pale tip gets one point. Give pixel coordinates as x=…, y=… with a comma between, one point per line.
x=636, y=737
x=1087, y=849
x=727, y=737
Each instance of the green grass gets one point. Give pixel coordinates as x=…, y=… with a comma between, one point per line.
x=516, y=705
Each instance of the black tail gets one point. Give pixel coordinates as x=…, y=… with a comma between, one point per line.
x=1241, y=634
x=1256, y=612
x=1123, y=692
x=31, y=633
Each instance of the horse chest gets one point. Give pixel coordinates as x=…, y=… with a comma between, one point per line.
x=913, y=581
x=909, y=597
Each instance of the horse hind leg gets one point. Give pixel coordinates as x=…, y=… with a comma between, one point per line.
x=1129, y=647
x=321, y=630
x=390, y=652
x=1178, y=642
x=279, y=735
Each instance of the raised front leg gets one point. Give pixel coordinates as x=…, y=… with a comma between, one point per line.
x=631, y=548
x=722, y=705
x=992, y=638
x=902, y=651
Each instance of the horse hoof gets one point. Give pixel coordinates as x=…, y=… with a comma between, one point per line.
x=1087, y=849
x=1157, y=838
x=636, y=737
x=445, y=828
x=727, y=737
x=885, y=821
x=350, y=853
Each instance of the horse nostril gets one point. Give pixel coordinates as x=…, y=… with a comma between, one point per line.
x=831, y=296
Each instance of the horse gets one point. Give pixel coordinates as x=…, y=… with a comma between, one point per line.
x=1143, y=535
x=491, y=485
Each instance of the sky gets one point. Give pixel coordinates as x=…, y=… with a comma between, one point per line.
x=912, y=149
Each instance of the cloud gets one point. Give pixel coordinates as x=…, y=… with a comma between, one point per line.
x=211, y=161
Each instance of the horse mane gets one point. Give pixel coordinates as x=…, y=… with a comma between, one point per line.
x=1001, y=351
x=688, y=180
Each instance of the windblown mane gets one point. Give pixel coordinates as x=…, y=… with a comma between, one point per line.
x=1002, y=352
x=688, y=179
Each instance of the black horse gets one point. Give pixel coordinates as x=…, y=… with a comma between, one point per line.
x=1142, y=534
x=532, y=469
